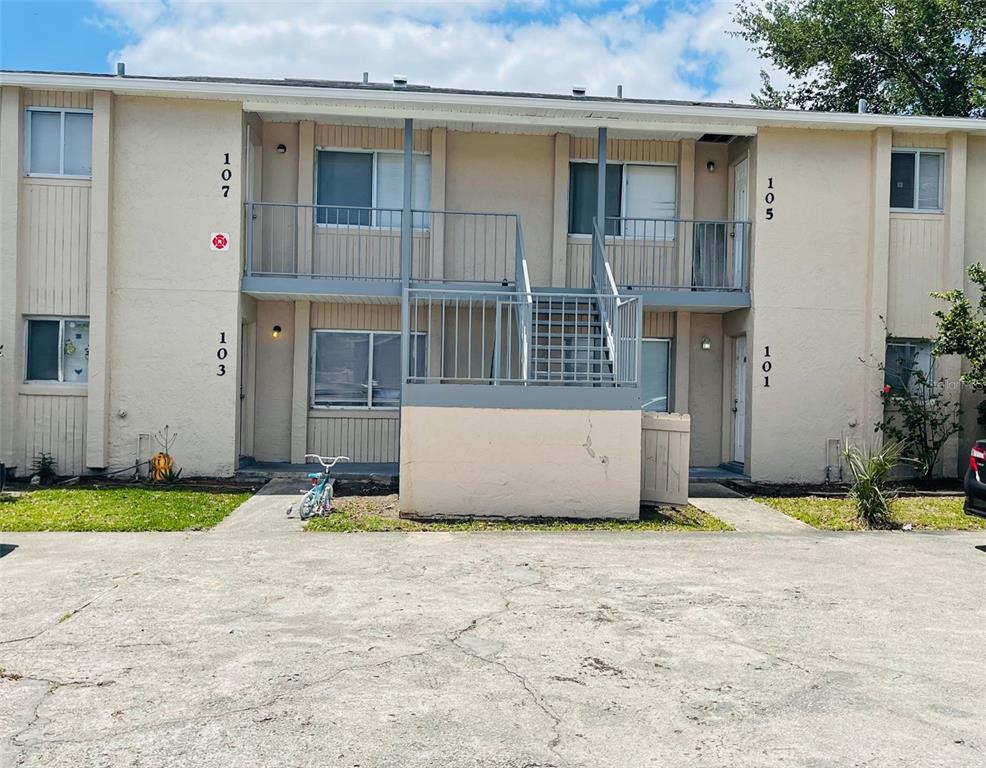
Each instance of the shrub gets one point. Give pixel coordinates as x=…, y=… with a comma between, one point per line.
x=869, y=491
x=44, y=467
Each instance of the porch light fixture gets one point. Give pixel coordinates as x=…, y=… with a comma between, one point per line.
x=281, y=149
x=276, y=332
x=706, y=343
x=711, y=166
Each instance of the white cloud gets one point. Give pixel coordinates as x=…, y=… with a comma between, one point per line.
x=490, y=44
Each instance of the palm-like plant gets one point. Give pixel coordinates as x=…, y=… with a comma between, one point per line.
x=869, y=470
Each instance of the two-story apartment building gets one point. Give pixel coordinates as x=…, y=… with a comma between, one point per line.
x=487, y=288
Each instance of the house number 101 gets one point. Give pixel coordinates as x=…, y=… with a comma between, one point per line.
x=767, y=366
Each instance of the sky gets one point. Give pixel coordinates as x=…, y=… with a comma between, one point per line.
x=672, y=49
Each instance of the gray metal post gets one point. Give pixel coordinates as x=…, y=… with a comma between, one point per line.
x=601, y=184
x=406, y=251
x=249, y=238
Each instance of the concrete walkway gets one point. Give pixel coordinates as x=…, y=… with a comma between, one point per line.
x=742, y=513
x=266, y=512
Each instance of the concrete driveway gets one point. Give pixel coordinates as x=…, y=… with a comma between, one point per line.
x=252, y=647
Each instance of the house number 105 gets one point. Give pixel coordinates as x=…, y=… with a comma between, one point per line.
x=769, y=198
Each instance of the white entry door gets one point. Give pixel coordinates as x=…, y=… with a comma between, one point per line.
x=741, y=190
x=739, y=400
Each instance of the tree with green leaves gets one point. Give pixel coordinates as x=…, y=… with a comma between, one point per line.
x=922, y=57
x=962, y=331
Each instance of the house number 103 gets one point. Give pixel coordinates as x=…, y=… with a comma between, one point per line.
x=221, y=354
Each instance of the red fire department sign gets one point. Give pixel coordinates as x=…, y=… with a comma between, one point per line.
x=220, y=241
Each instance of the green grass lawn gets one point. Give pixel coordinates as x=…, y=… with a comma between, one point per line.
x=115, y=509
x=379, y=513
x=935, y=513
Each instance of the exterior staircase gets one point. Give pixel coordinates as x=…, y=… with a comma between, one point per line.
x=568, y=342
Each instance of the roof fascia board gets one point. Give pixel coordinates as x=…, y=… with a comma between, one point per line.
x=490, y=118
x=601, y=109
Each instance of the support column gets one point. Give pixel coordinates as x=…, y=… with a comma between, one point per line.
x=11, y=152
x=601, y=181
x=877, y=283
x=559, y=217
x=406, y=248
x=953, y=276
x=98, y=402
x=686, y=208
x=438, y=171
x=306, y=195
x=682, y=350
x=299, y=389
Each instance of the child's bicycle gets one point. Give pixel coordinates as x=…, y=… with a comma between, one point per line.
x=317, y=501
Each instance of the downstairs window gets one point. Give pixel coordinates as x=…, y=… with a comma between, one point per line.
x=907, y=361
x=360, y=369
x=57, y=350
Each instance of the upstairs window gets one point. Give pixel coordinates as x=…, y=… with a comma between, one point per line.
x=916, y=179
x=59, y=142
x=58, y=350
x=633, y=191
x=907, y=360
x=356, y=182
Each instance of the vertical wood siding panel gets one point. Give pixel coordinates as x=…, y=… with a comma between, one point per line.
x=362, y=437
x=626, y=150
x=917, y=251
x=362, y=137
x=76, y=99
x=658, y=325
x=54, y=424
x=56, y=249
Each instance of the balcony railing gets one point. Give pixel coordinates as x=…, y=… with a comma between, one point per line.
x=357, y=243
x=667, y=254
x=518, y=338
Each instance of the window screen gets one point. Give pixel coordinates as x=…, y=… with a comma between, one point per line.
x=46, y=142
x=344, y=179
x=651, y=193
x=75, y=351
x=582, y=197
x=78, y=144
x=929, y=180
x=390, y=187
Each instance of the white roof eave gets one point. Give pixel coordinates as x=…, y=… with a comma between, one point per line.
x=490, y=108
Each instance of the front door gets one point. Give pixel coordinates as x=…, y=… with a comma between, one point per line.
x=740, y=214
x=739, y=400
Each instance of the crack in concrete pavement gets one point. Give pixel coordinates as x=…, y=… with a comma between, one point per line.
x=535, y=695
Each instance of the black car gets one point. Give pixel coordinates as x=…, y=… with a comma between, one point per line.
x=975, y=481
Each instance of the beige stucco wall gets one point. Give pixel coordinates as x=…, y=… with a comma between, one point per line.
x=810, y=300
x=705, y=389
x=975, y=251
x=711, y=188
x=505, y=173
x=520, y=462
x=172, y=296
